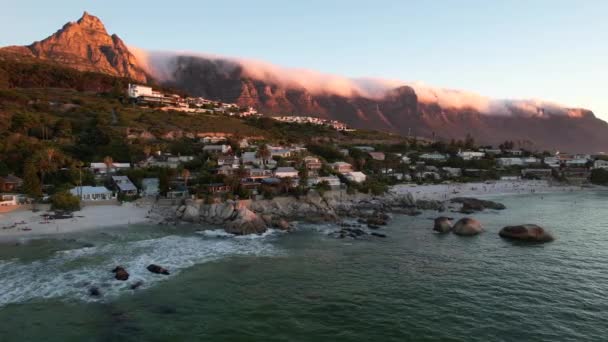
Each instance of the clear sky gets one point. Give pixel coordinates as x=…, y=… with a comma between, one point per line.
x=556, y=50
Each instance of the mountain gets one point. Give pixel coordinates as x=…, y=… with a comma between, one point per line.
x=398, y=110
x=85, y=45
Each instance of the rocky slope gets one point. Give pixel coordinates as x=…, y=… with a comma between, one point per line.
x=85, y=45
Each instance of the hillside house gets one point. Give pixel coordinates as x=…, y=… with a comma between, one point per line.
x=355, y=176
x=258, y=173
x=10, y=183
x=377, y=155
x=232, y=161
x=93, y=193
x=341, y=167
x=286, y=172
x=313, y=164
x=505, y=162
x=124, y=185
x=102, y=168
x=600, y=164
x=165, y=160
x=471, y=155
x=217, y=188
x=217, y=149
x=434, y=157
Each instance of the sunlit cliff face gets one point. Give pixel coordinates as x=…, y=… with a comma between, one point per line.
x=163, y=64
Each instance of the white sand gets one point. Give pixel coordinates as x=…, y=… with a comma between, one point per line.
x=446, y=191
x=89, y=218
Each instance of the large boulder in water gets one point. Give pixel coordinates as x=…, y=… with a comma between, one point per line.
x=443, y=224
x=526, y=232
x=467, y=227
x=157, y=269
x=246, y=222
x=120, y=273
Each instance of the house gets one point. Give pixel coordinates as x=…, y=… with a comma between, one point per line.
x=258, y=173
x=365, y=148
x=600, y=164
x=150, y=186
x=217, y=188
x=504, y=162
x=332, y=181
x=577, y=162
x=250, y=158
x=212, y=139
x=341, y=167
x=434, y=156
x=313, y=163
x=217, y=149
x=471, y=155
x=7, y=200
x=124, y=185
x=10, y=183
x=225, y=170
x=514, y=152
x=278, y=151
x=355, y=176
x=286, y=172
x=165, y=160
x=405, y=159
x=377, y=155
x=102, y=168
x=93, y=193
x=552, y=162
x=232, y=161
x=491, y=151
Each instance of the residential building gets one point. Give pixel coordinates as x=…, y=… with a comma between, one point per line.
x=286, y=172
x=514, y=152
x=600, y=164
x=365, y=148
x=531, y=160
x=232, y=161
x=8, y=200
x=341, y=167
x=313, y=163
x=93, y=193
x=355, y=176
x=258, y=173
x=226, y=170
x=124, y=185
x=10, y=183
x=505, y=162
x=217, y=149
x=332, y=181
x=434, y=156
x=377, y=155
x=165, y=160
x=217, y=188
x=102, y=168
x=552, y=162
x=150, y=187
x=471, y=155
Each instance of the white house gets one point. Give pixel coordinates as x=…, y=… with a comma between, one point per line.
x=124, y=185
x=285, y=172
x=600, y=164
x=577, y=162
x=231, y=161
x=531, y=160
x=8, y=200
x=92, y=193
x=102, y=168
x=217, y=148
x=341, y=167
x=355, y=176
x=471, y=155
x=510, y=162
x=136, y=90
x=552, y=161
x=433, y=156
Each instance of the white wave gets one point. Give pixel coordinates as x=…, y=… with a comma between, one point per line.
x=70, y=274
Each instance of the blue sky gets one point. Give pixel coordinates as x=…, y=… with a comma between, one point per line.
x=551, y=49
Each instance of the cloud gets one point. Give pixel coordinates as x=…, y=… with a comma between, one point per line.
x=162, y=64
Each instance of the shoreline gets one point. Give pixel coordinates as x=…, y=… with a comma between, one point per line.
x=28, y=224
x=96, y=217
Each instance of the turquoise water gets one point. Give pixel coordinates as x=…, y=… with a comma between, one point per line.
x=307, y=286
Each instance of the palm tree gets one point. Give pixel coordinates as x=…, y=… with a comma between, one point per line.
x=263, y=153
x=185, y=176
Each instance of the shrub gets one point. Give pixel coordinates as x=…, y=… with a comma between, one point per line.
x=65, y=201
x=599, y=176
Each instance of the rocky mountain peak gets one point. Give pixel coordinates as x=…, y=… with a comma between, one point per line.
x=91, y=22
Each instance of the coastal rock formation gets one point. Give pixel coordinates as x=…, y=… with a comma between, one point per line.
x=430, y=205
x=443, y=224
x=526, y=232
x=246, y=222
x=467, y=227
x=157, y=269
x=94, y=292
x=120, y=273
x=136, y=285
x=85, y=45
x=471, y=205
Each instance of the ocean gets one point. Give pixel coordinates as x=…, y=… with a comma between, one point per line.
x=413, y=285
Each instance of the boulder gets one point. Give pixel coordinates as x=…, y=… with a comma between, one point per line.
x=467, y=227
x=443, y=224
x=281, y=224
x=470, y=204
x=246, y=222
x=120, y=273
x=136, y=285
x=191, y=213
x=94, y=292
x=157, y=269
x=430, y=205
x=526, y=232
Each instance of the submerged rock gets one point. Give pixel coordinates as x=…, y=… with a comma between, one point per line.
x=378, y=235
x=443, y=224
x=467, y=227
x=94, y=292
x=157, y=269
x=136, y=285
x=120, y=273
x=526, y=232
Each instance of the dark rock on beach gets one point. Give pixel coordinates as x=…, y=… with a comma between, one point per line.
x=526, y=232
x=471, y=205
x=157, y=269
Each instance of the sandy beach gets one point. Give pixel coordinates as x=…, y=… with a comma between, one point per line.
x=19, y=224
x=444, y=192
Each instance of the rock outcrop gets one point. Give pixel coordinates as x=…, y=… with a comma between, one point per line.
x=120, y=273
x=467, y=227
x=246, y=222
x=526, y=232
x=471, y=205
x=443, y=224
x=157, y=269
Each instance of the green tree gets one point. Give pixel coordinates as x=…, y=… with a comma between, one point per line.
x=65, y=201
x=31, y=182
x=599, y=176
